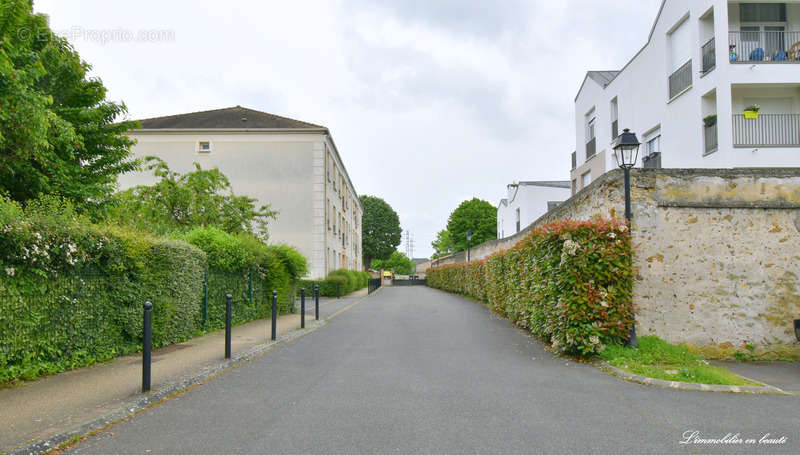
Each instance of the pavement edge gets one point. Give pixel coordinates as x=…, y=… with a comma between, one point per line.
x=693, y=386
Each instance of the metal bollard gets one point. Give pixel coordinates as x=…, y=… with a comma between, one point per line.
x=228, y=317
x=302, y=308
x=147, y=345
x=316, y=301
x=274, y=315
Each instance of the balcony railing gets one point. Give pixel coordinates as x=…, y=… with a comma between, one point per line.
x=591, y=148
x=710, y=136
x=709, y=56
x=768, y=130
x=574, y=160
x=652, y=161
x=680, y=80
x=764, y=46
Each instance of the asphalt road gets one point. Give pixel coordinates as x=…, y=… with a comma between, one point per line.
x=415, y=370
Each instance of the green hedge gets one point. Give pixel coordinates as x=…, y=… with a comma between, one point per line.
x=347, y=281
x=71, y=293
x=569, y=283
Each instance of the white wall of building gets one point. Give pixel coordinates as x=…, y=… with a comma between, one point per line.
x=642, y=92
x=530, y=201
x=285, y=170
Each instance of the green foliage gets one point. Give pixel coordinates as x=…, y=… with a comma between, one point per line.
x=656, y=358
x=475, y=215
x=57, y=131
x=347, y=281
x=569, y=283
x=398, y=262
x=380, y=227
x=179, y=202
x=443, y=245
x=71, y=293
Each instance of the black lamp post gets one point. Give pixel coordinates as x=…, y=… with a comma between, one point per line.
x=626, y=151
x=469, y=239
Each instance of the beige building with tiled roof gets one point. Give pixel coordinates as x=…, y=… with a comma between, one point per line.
x=291, y=165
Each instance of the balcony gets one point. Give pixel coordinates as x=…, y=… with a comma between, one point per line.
x=652, y=161
x=764, y=47
x=710, y=138
x=768, y=130
x=591, y=148
x=680, y=80
x=709, y=56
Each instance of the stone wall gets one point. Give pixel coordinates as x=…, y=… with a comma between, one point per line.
x=716, y=253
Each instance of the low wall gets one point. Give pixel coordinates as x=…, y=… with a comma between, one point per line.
x=716, y=252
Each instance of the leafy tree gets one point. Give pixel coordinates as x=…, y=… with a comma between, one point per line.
x=443, y=245
x=474, y=215
x=398, y=262
x=179, y=202
x=380, y=228
x=56, y=128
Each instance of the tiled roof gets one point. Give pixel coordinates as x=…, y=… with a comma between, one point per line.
x=229, y=118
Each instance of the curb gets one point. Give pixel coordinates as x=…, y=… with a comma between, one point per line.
x=140, y=402
x=693, y=386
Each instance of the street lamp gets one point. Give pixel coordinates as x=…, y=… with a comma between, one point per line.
x=626, y=151
x=469, y=239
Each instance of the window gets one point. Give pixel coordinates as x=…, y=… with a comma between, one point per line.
x=517, y=217
x=204, y=147
x=591, y=143
x=652, y=151
x=590, y=133
x=614, y=118
x=586, y=179
x=762, y=12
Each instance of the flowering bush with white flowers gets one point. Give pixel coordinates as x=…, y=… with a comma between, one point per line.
x=569, y=283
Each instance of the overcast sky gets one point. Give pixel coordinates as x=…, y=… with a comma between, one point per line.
x=429, y=102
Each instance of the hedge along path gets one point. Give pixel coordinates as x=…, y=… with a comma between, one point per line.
x=570, y=283
x=71, y=292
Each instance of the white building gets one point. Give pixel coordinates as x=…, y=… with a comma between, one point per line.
x=291, y=165
x=526, y=202
x=703, y=58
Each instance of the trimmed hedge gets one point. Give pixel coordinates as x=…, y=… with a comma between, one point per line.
x=71, y=293
x=569, y=283
x=347, y=280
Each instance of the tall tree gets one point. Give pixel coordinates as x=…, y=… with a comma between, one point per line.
x=56, y=128
x=380, y=229
x=179, y=202
x=474, y=215
x=443, y=245
x=398, y=262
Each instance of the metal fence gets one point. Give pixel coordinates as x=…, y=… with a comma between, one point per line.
x=710, y=137
x=774, y=46
x=373, y=285
x=680, y=80
x=411, y=282
x=768, y=130
x=709, y=56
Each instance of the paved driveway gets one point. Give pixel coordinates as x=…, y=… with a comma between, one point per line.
x=415, y=370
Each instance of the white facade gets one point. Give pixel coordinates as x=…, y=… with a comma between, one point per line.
x=526, y=202
x=670, y=120
x=298, y=173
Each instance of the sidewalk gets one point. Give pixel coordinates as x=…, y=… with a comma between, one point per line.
x=53, y=403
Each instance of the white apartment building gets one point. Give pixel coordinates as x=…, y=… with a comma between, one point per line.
x=526, y=202
x=685, y=92
x=291, y=165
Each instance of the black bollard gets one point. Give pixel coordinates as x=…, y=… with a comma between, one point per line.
x=274, y=315
x=316, y=302
x=228, y=317
x=147, y=345
x=302, y=308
